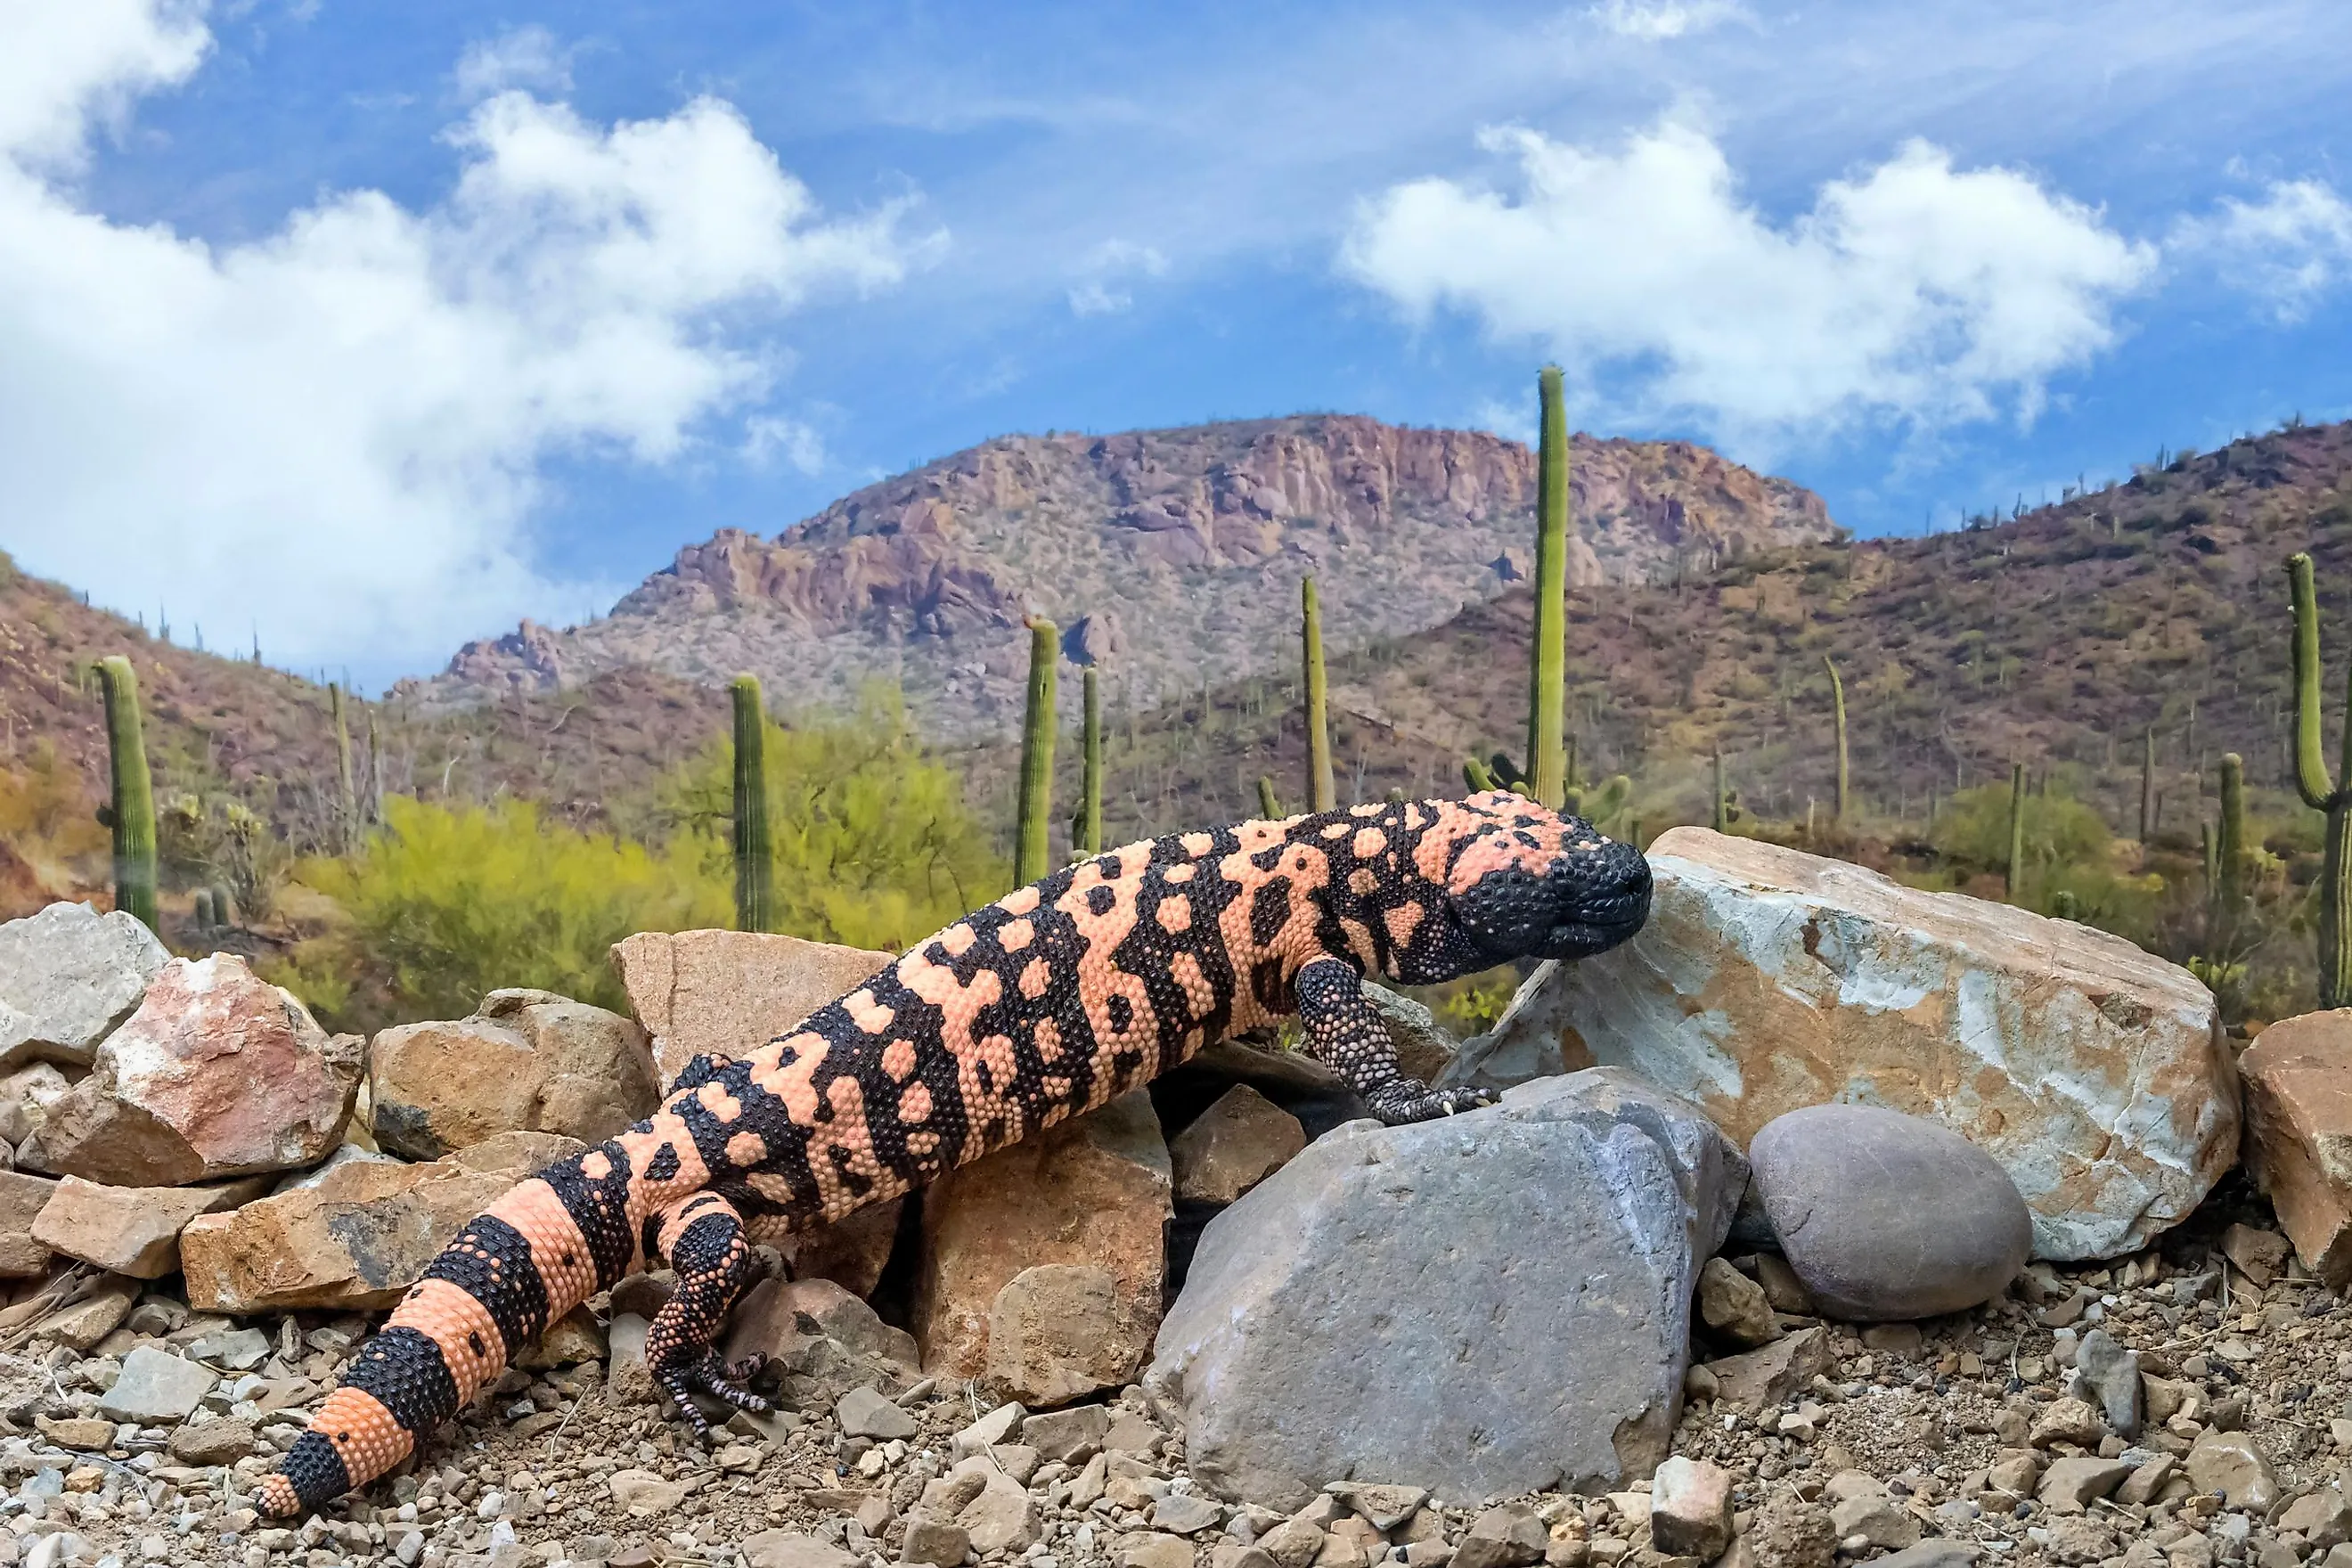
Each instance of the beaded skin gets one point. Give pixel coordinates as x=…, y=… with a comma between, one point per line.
x=1042, y=1006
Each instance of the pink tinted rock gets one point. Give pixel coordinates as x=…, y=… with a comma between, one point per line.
x=218, y=1073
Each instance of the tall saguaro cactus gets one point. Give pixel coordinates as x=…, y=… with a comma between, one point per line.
x=2148, y=785
x=1032, y=837
x=131, y=808
x=347, y=796
x=1837, y=707
x=1322, y=794
x=754, y=864
x=1547, y=679
x=2012, y=881
x=1721, y=818
x=1087, y=839
x=2321, y=792
x=2228, y=890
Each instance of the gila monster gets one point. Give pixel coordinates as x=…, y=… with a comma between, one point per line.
x=1041, y=1005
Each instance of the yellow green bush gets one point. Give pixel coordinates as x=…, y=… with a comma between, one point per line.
x=874, y=845
x=445, y=904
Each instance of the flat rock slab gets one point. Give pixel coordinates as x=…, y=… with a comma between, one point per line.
x=2298, y=1078
x=1769, y=979
x=1887, y=1216
x=67, y=975
x=728, y=993
x=132, y=1230
x=1373, y=1308
x=218, y=1073
x=527, y=1062
x=358, y=1239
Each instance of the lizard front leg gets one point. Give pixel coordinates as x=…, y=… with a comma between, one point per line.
x=1349, y=1032
x=702, y=1237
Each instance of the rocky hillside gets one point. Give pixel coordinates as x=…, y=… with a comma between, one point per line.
x=1173, y=555
x=2058, y=639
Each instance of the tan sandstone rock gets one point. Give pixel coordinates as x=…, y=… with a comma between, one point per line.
x=727, y=992
x=21, y=1198
x=2298, y=1079
x=527, y=1062
x=1094, y=1191
x=1770, y=979
x=1233, y=1146
x=852, y=1253
x=217, y=1073
x=132, y=1230
x=359, y=1238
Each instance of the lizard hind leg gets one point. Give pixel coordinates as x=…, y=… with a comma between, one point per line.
x=703, y=1237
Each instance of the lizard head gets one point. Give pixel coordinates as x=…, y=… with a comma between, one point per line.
x=1528, y=882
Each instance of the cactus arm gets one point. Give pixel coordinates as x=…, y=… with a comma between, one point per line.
x=1547, y=692
x=1268, y=806
x=755, y=906
x=1032, y=845
x=1474, y=774
x=2311, y=780
x=131, y=811
x=1322, y=794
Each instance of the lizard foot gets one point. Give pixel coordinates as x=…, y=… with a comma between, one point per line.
x=705, y=1373
x=1409, y=1099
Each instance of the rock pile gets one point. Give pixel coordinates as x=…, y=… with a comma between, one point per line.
x=1569, y=1329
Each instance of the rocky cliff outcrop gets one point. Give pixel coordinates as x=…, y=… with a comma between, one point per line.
x=1180, y=549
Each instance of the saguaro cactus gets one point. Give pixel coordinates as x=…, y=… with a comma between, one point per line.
x=1837, y=708
x=347, y=795
x=2148, y=785
x=1086, y=838
x=755, y=906
x=1547, y=681
x=1032, y=835
x=131, y=808
x=2228, y=888
x=2321, y=792
x=2012, y=881
x=1721, y=819
x=1322, y=794
x=1268, y=806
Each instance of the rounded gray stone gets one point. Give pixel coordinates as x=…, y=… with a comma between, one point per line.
x=1886, y=1216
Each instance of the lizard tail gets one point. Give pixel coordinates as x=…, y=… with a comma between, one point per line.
x=538, y=1252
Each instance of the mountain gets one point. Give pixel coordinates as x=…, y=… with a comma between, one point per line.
x=1172, y=557
x=2060, y=639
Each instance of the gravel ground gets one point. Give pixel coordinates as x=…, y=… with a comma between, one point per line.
x=1965, y=1432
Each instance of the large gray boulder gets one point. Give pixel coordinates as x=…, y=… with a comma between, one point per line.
x=67, y=975
x=1769, y=979
x=1374, y=1310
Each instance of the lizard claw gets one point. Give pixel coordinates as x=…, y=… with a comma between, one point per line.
x=1408, y=1101
x=684, y=1378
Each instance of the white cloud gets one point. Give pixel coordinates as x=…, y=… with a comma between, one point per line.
x=338, y=431
x=1655, y=20
x=1913, y=292
x=2289, y=247
x=525, y=58
x=768, y=438
x=65, y=63
x=1095, y=294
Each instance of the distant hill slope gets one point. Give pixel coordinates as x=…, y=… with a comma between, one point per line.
x=1172, y=554
x=2057, y=639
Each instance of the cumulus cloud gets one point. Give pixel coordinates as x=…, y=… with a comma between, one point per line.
x=1653, y=20
x=1913, y=292
x=338, y=431
x=1097, y=292
x=2287, y=247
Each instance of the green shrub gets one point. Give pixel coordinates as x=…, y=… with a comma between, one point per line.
x=872, y=841
x=444, y=905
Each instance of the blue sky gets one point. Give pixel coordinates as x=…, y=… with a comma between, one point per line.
x=375, y=328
